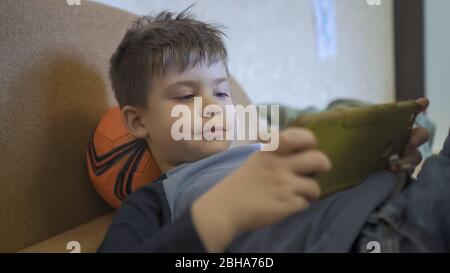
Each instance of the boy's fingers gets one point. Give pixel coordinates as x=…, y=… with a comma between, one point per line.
x=294, y=140
x=308, y=163
x=418, y=137
x=423, y=103
x=413, y=159
x=301, y=203
x=307, y=188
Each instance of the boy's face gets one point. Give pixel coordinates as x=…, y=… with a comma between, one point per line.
x=210, y=83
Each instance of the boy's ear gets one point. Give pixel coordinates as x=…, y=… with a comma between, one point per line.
x=134, y=121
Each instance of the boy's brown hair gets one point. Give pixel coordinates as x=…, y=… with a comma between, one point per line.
x=155, y=42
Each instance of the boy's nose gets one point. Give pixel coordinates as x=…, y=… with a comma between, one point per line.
x=210, y=107
x=208, y=100
x=211, y=110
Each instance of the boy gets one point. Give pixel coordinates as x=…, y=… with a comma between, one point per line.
x=167, y=60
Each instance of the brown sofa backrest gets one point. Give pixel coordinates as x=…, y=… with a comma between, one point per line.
x=54, y=89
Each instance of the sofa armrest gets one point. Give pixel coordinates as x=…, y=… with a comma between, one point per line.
x=89, y=236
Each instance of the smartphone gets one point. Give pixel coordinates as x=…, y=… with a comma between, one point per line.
x=359, y=141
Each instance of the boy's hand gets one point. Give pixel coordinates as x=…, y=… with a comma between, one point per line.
x=419, y=136
x=267, y=188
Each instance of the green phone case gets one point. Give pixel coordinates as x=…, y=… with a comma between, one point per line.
x=359, y=140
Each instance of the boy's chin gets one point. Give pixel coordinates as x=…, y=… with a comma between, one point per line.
x=206, y=148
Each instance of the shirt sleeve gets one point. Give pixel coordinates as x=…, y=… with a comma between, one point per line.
x=138, y=227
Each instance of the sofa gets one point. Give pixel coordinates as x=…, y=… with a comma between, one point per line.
x=54, y=89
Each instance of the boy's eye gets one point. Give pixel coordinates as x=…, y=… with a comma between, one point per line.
x=222, y=94
x=186, y=97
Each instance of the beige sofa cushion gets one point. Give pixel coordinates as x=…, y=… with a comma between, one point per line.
x=88, y=237
x=54, y=89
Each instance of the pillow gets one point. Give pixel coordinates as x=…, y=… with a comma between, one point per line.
x=118, y=163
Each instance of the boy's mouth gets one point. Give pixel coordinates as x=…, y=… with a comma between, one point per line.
x=211, y=131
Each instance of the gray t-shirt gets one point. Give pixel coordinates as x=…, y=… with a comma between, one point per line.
x=330, y=225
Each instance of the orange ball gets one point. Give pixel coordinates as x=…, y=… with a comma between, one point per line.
x=118, y=163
